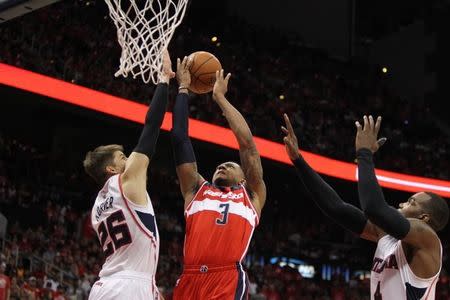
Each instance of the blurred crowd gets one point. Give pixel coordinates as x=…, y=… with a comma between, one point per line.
x=272, y=73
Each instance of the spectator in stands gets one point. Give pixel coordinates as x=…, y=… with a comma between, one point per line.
x=5, y=283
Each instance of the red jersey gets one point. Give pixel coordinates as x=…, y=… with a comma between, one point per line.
x=219, y=225
x=5, y=285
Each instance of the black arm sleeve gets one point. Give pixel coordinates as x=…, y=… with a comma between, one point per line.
x=153, y=120
x=181, y=143
x=372, y=200
x=346, y=215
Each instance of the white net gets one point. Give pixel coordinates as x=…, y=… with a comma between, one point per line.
x=144, y=30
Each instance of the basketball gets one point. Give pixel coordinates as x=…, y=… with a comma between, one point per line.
x=203, y=71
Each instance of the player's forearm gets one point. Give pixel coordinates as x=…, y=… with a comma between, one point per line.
x=181, y=143
x=348, y=216
x=237, y=123
x=153, y=120
x=372, y=199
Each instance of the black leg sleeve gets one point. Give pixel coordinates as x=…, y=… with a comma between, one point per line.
x=346, y=215
x=181, y=143
x=153, y=120
x=372, y=199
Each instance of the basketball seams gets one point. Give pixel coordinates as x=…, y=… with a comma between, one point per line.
x=202, y=82
x=201, y=65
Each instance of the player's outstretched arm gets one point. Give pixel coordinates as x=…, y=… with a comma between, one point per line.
x=249, y=155
x=414, y=232
x=183, y=151
x=346, y=215
x=371, y=197
x=134, y=178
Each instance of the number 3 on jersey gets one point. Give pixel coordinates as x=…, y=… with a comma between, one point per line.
x=224, y=219
x=116, y=230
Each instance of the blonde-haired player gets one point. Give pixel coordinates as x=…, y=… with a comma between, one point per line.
x=122, y=214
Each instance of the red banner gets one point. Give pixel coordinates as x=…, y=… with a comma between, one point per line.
x=129, y=110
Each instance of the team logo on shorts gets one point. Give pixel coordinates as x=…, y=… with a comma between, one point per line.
x=204, y=269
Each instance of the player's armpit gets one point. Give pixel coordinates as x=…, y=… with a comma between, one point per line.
x=421, y=235
x=190, y=180
x=372, y=232
x=253, y=171
x=136, y=166
x=134, y=179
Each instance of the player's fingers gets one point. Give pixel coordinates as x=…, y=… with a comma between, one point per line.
x=381, y=141
x=166, y=57
x=371, y=123
x=217, y=75
x=221, y=74
x=286, y=140
x=288, y=124
x=184, y=62
x=187, y=66
x=366, y=123
x=378, y=125
x=285, y=131
x=178, y=63
x=228, y=77
x=189, y=63
x=358, y=126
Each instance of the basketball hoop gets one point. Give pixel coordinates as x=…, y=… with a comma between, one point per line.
x=144, y=30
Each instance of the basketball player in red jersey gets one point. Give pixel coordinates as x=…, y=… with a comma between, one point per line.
x=408, y=258
x=123, y=215
x=222, y=215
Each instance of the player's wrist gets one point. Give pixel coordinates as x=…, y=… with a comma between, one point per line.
x=164, y=79
x=183, y=89
x=219, y=96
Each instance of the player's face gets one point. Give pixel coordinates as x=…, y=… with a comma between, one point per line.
x=119, y=162
x=228, y=174
x=413, y=208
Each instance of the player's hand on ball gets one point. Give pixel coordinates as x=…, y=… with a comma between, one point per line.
x=167, y=72
x=221, y=84
x=366, y=137
x=290, y=140
x=183, y=75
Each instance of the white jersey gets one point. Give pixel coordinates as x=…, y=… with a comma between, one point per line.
x=127, y=233
x=392, y=278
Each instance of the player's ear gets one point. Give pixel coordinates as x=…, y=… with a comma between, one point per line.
x=110, y=170
x=425, y=218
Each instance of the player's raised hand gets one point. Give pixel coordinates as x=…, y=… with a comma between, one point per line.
x=366, y=136
x=183, y=75
x=167, y=72
x=221, y=84
x=290, y=140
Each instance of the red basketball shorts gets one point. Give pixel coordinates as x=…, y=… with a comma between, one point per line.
x=228, y=282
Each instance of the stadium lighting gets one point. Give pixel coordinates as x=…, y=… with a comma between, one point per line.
x=384, y=70
x=133, y=111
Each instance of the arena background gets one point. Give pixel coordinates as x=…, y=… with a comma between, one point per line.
x=320, y=62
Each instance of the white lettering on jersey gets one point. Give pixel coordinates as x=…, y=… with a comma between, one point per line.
x=229, y=195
